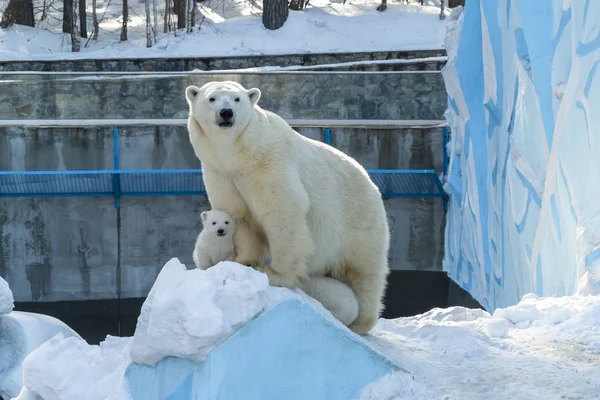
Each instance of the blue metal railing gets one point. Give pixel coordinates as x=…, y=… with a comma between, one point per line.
x=117, y=182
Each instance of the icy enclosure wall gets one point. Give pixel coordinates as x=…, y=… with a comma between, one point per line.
x=524, y=173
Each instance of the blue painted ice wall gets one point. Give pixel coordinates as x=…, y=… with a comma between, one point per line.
x=524, y=174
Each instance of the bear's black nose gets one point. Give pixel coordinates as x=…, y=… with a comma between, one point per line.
x=220, y=232
x=226, y=113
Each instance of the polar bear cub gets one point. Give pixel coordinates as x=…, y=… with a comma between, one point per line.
x=215, y=241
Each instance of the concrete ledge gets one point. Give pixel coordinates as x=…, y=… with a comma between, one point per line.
x=296, y=123
x=290, y=352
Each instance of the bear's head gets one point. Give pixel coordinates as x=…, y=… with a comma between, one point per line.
x=218, y=223
x=222, y=107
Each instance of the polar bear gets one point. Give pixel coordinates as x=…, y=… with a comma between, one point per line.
x=215, y=242
x=311, y=207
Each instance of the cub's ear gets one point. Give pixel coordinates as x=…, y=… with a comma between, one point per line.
x=203, y=215
x=191, y=92
x=254, y=95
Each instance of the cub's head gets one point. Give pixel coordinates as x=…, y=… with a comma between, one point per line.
x=222, y=107
x=218, y=223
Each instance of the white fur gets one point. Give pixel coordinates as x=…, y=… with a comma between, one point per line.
x=313, y=208
x=211, y=248
x=334, y=295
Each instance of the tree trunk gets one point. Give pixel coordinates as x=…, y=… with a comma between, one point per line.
x=75, y=35
x=193, y=13
x=95, y=24
x=44, y=12
x=188, y=22
x=166, y=17
x=125, y=18
x=275, y=13
x=67, y=16
x=297, y=5
x=18, y=12
x=148, y=30
x=455, y=3
x=82, y=19
x=155, y=24
x=179, y=7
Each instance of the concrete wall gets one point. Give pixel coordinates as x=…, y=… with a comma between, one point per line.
x=84, y=248
x=316, y=95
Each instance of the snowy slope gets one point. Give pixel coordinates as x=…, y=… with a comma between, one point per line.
x=539, y=349
x=323, y=27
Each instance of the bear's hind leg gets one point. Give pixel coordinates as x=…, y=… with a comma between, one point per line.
x=334, y=295
x=368, y=285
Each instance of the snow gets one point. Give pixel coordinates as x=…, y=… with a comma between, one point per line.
x=188, y=313
x=541, y=348
x=523, y=155
x=237, y=31
x=67, y=368
x=20, y=334
x=6, y=298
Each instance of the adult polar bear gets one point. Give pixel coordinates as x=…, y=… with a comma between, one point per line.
x=311, y=207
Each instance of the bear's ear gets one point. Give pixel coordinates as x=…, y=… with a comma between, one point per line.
x=254, y=95
x=191, y=92
x=203, y=215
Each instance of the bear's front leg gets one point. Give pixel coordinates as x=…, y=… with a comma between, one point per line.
x=249, y=248
x=280, y=205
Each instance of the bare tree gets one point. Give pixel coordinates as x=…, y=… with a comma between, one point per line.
x=95, y=24
x=148, y=30
x=179, y=7
x=298, y=5
x=82, y=19
x=189, y=16
x=155, y=24
x=75, y=35
x=167, y=16
x=125, y=18
x=44, y=11
x=67, y=21
x=275, y=13
x=18, y=12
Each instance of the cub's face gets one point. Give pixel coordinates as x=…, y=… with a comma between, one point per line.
x=218, y=223
x=222, y=107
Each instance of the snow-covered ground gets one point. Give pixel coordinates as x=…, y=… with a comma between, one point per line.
x=323, y=27
x=541, y=348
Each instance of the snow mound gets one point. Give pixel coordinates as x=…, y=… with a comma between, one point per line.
x=6, y=298
x=190, y=312
x=187, y=314
x=67, y=368
x=20, y=334
x=541, y=348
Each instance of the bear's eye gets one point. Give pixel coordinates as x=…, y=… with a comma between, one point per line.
x=226, y=222
x=237, y=99
x=214, y=223
x=211, y=99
